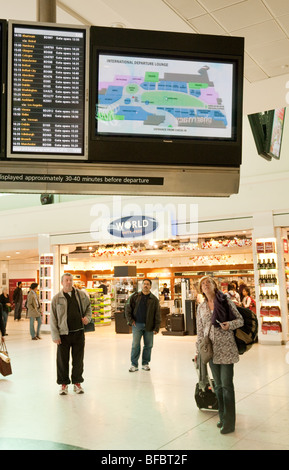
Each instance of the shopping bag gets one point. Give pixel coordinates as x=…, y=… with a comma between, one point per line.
x=5, y=363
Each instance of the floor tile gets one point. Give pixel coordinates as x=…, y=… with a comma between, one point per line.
x=153, y=410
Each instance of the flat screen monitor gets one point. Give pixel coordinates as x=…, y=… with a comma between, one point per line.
x=267, y=130
x=277, y=132
x=3, y=87
x=165, y=98
x=47, y=106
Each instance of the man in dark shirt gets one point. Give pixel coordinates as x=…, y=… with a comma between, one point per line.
x=18, y=299
x=142, y=311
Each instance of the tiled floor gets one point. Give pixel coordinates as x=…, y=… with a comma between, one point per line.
x=137, y=411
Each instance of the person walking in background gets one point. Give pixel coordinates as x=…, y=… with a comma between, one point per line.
x=248, y=301
x=5, y=302
x=142, y=312
x=240, y=289
x=70, y=311
x=218, y=316
x=104, y=287
x=166, y=292
x=18, y=300
x=2, y=329
x=233, y=294
x=34, y=311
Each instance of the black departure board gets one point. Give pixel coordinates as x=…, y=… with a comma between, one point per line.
x=3, y=69
x=48, y=91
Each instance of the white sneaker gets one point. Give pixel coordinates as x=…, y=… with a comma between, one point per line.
x=77, y=388
x=63, y=389
x=133, y=369
x=146, y=367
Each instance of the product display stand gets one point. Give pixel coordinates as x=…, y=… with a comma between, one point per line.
x=46, y=289
x=100, y=306
x=269, y=294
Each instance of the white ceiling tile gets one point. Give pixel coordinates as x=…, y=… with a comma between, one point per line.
x=187, y=8
x=259, y=34
x=212, y=5
x=205, y=24
x=274, y=70
x=278, y=7
x=284, y=22
x=252, y=71
x=254, y=74
x=242, y=15
x=275, y=51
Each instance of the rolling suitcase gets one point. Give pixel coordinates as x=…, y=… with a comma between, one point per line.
x=205, y=396
x=206, y=399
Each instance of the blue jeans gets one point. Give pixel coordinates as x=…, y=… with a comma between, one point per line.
x=223, y=377
x=138, y=331
x=32, y=330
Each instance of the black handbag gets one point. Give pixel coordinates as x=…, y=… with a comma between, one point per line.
x=90, y=326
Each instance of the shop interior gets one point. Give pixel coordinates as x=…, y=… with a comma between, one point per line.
x=111, y=273
x=174, y=267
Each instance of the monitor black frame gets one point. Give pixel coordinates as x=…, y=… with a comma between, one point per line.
x=3, y=87
x=146, y=149
x=47, y=156
x=282, y=132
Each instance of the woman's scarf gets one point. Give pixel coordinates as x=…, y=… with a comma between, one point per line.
x=222, y=311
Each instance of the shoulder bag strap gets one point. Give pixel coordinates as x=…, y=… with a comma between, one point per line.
x=80, y=303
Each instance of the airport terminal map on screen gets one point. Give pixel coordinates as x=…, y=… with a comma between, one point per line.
x=164, y=97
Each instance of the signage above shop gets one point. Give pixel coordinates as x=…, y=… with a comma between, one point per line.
x=134, y=226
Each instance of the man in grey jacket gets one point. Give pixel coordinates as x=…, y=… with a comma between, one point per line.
x=70, y=311
x=142, y=312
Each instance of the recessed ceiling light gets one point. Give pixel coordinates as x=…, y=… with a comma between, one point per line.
x=17, y=252
x=8, y=256
x=117, y=25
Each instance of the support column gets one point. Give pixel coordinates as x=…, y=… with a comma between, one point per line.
x=46, y=11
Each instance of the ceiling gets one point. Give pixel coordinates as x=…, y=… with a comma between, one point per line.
x=263, y=23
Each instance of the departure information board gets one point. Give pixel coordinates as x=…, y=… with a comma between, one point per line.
x=3, y=60
x=48, y=74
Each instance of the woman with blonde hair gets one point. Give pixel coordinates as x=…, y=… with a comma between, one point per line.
x=219, y=317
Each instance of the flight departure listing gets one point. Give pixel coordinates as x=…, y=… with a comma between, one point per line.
x=165, y=97
x=48, y=91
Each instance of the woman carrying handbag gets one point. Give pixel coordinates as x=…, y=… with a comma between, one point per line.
x=217, y=317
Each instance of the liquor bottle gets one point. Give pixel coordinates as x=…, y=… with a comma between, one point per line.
x=276, y=296
x=259, y=264
x=273, y=264
x=267, y=295
x=268, y=264
x=272, y=296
